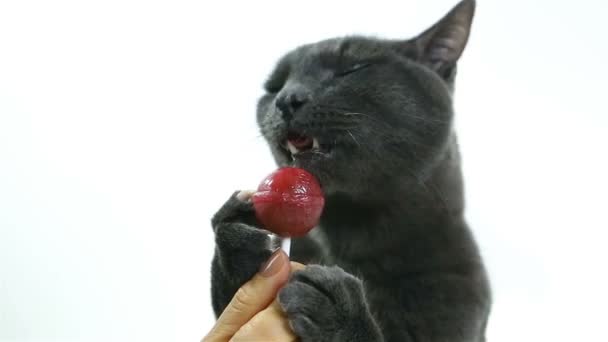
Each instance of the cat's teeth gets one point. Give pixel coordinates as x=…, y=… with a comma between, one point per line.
x=292, y=149
x=315, y=143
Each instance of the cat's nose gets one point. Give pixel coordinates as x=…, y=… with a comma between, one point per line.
x=291, y=99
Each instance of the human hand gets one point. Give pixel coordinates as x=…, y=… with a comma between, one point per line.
x=253, y=314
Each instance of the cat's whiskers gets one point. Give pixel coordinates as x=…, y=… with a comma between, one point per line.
x=353, y=113
x=352, y=136
x=411, y=116
x=365, y=115
x=359, y=114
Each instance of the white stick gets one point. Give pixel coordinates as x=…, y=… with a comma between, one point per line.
x=286, y=245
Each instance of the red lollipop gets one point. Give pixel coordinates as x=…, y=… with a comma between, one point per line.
x=289, y=202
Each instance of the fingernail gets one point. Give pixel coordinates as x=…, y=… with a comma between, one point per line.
x=277, y=260
x=245, y=195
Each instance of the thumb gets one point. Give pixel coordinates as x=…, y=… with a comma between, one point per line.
x=271, y=324
x=253, y=297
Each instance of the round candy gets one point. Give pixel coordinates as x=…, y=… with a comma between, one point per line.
x=289, y=202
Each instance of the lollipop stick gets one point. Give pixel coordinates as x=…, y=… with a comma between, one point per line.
x=286, y=245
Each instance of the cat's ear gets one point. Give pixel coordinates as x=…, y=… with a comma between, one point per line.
x=440, y=46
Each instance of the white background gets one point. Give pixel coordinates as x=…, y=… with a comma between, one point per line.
x=124, y=125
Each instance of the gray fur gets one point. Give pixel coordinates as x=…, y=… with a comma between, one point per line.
x=393, y=257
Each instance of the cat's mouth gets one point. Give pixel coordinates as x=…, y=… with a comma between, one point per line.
x=299, y=145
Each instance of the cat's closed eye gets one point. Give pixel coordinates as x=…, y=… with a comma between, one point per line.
x=273, y=88
x=351, y=69
x=277, y=80
x=275, y=84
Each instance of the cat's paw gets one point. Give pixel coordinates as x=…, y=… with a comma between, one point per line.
x=327, y=304
x=241, y=246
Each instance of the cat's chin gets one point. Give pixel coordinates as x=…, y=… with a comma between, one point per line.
x=311, y=159
x=314, y=161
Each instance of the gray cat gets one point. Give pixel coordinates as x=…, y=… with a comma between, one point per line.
x=392, y=258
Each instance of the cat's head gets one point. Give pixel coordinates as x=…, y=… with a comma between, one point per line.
x=362, y=113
